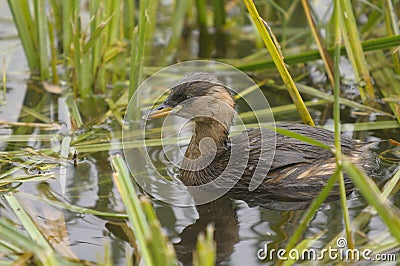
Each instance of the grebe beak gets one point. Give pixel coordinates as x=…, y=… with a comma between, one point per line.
x=161, y=111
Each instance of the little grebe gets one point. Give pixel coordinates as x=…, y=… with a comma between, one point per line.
x=297, y=170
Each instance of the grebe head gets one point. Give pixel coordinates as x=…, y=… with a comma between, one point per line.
x=200, y=97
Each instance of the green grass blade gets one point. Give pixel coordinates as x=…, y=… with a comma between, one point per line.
x=47, y=196
x=128, y=13
x=364, y=217
x=75, y=113
x=336, y=117
x=8, y=232
x=69, y=12
x=41, y=26
x=387, y=76
x=201, y=8
x=22, y=179
x=152, y=15
x=95, y=43
x=299, y=137
x=53, y=52
x=369, y=190
x=113, y=11
x=392, y=28
x=27, y=222
x=162, y=251
x=23, y=21
x=323, y=95
x=280, y=64
x=94, y=36
x=138, y=45
x=177, y=23
x=392, y=185
x=368, y=45
x=219, y=13
x=153, y=245
x=34, y=113
x=304, y=245
x=310, y=213
x=355, y=51
x=132, y=206
x=205, y=248
x=56, y=16
x=16, y=240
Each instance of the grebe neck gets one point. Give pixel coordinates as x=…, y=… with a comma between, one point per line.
x=209, y=140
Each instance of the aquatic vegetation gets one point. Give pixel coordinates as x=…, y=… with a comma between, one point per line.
x=92, y=56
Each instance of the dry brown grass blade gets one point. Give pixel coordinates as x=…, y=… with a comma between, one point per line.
x=326, y=57
x=56, y=232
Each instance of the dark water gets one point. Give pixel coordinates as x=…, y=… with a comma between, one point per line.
x=242, y=228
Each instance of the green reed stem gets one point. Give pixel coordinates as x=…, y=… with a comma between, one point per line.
x=219, y=13
x=353, y=104
x=4, y=80
x=41, y=30
x=53, y=52
x=138, y=48
x=56, y=17
x=336, y=116
x=128, y=22
x=385, y=74
x=310, y=213
x=113, y=11
x=355, y=51
x=27, y=33
x=370, y=192
x=392, y=28
x=153, y=244
x=280, y=64
x=202, y=14
x=391, y=185
x=300, y=137
x=49, y=197
x=69, y=12
x=205, y=248
x=77, y=58
x=368, y=45
x=177, y=23
x=162, y=250
x=151, y=25
x=21, y=242
x=94, y=44
x=27, y=222
x=132, y=206
x=365, y=215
